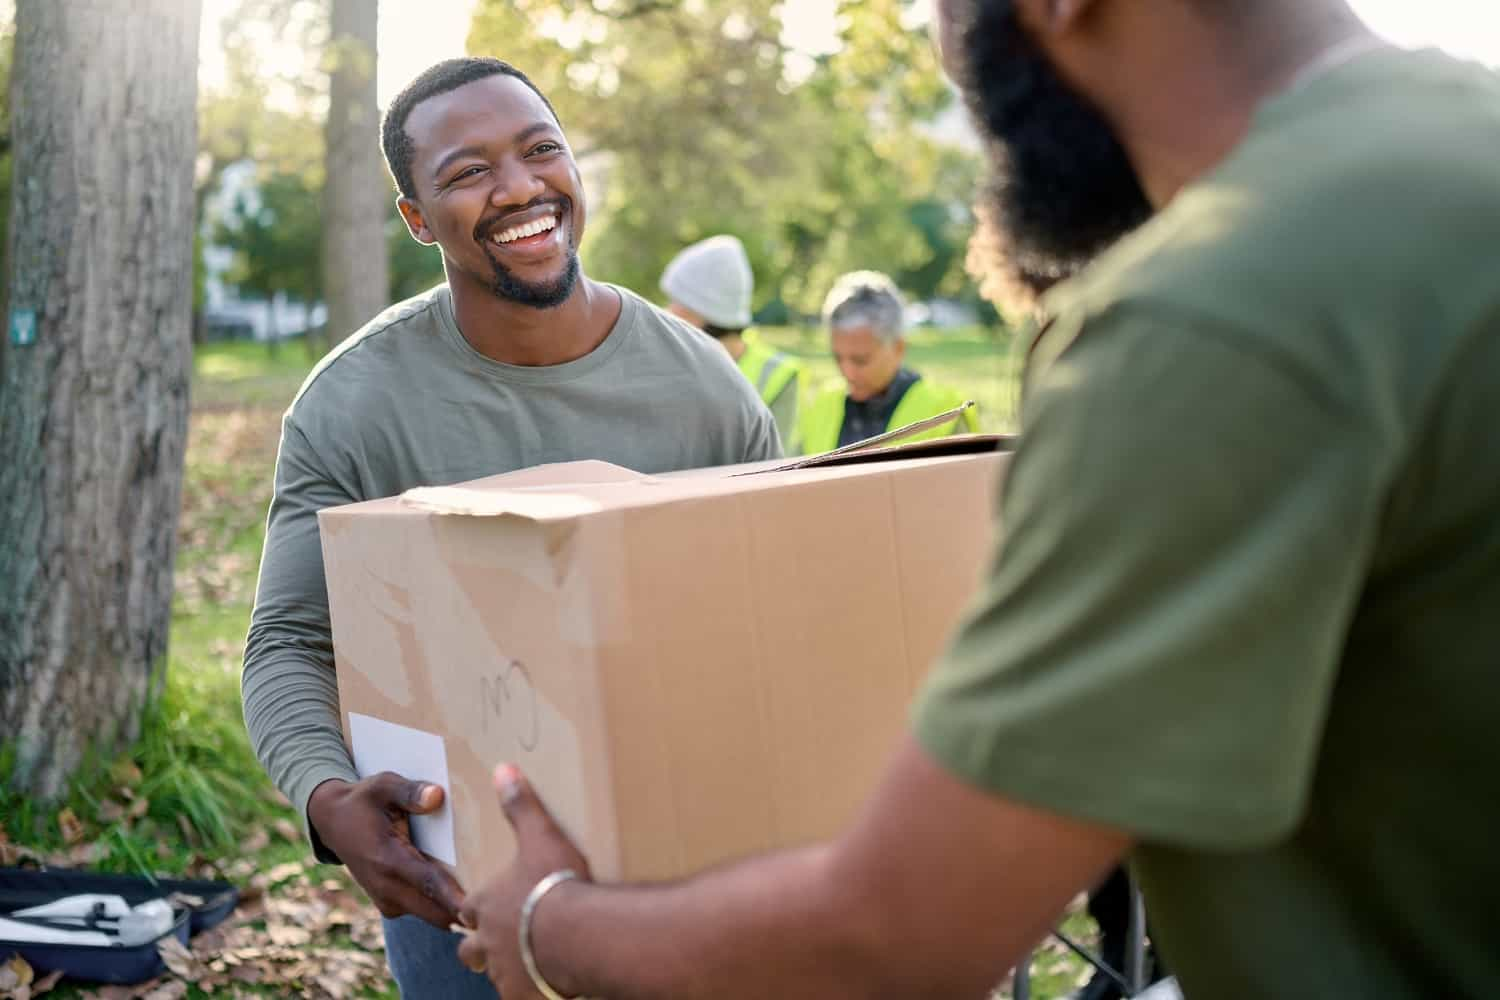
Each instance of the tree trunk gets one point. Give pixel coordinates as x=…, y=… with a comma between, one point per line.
x=93, y=372
x=357, y=191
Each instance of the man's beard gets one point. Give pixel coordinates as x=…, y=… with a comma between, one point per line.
x=1062, y=188
x=537, y=295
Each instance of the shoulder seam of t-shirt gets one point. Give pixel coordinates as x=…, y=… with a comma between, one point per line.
x=1187, y=321
x=392, y=317
x=291, y=426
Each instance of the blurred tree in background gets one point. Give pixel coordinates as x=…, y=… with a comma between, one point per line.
x=93, y=374
x=7, y=48
x=701, y=120
x=276, y=118
x=356, y=186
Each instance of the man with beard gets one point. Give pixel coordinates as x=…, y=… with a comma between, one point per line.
x=517, y=360
x=1241, y=626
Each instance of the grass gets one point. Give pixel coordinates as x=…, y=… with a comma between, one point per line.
x=190, y=796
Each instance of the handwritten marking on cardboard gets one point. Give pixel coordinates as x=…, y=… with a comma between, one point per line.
x=379, y=746
x=509, y=699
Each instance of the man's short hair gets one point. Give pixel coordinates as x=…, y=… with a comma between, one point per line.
x=866, y=298
x=450, y=74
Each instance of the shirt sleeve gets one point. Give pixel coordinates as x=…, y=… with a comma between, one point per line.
x=290, y=691
x=784, y=411
x=1187, y=525
x=762, y=441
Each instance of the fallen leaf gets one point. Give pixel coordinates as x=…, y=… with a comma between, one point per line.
x=83, y=855
x=171, y=990
x=69, y=826
x=256, y=842
x=252, y=975
x=368, y=934
x=189, y=832
x=46, y=983
x=15, y=974
x=182, y=962
x=139, y=806
x=110, y=811
x=254, y=889
x=282, y=873
x=335, y=987
x=288, y=830
x=110, y=993
x=288, y=935
x=126, y=772
x=241, y=869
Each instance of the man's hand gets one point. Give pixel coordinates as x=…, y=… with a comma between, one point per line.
x=366, y=825
x=495, y=910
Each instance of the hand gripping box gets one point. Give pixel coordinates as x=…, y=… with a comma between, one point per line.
x=689, y=667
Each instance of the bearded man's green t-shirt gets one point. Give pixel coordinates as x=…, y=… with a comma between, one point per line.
x=1247, y=601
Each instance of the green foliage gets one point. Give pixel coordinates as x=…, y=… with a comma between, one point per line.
x=190, y=784
x=700, y=121
x=274, y=233
x=414, y=267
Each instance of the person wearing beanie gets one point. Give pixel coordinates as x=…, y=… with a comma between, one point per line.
x=865, y=315
x=709, y=285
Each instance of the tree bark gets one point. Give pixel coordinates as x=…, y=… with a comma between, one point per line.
x=357, y=191
x=94, y=408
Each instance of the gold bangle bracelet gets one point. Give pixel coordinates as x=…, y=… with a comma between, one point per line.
x=523, y=931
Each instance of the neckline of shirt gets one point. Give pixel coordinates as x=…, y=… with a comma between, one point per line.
x=623, y=330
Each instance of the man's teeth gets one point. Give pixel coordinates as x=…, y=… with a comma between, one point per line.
x=530, y=229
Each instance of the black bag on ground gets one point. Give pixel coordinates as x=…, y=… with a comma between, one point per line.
x=196, y=906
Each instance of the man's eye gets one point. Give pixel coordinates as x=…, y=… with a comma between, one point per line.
x=545, y=147
x=466, y=173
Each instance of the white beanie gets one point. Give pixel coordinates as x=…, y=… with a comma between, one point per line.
x=713, y=279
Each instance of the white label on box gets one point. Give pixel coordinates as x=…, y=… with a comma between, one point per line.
x=384, y=746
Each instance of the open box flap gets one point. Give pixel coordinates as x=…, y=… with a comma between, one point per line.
x=889, y=446
x=570, y=490
x=954, y=444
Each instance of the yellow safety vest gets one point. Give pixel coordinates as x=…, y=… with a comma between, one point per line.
x=768, y=370
x=820, y=424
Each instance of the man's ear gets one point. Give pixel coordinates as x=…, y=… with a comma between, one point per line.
x=411, y=214
x=1055, y=17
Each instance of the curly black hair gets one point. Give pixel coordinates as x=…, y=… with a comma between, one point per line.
x=450, y=74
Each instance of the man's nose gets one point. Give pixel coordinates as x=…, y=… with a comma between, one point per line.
x=515, y=185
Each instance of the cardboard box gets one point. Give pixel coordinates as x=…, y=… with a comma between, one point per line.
x=690, y=667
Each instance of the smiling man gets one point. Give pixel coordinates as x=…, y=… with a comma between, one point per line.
x=1242, y=624
x=517, y=360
